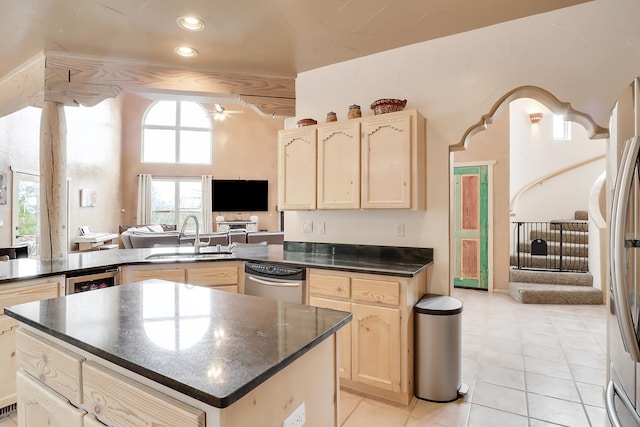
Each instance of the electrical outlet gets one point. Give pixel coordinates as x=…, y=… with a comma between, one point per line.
x=296, y=419
x=400, y=229
x=1, y=223
x=320, y=227
x=307, y=227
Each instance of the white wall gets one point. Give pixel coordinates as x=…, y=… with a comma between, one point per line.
x=535, y=154
x=585, y=55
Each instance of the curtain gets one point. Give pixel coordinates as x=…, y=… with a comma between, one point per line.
x=207, y=216
x=144, y=199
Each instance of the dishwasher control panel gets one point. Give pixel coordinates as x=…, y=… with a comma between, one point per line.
x=274, y=270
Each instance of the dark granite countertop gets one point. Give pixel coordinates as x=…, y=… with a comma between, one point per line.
x=213, y=346
x=404, y=262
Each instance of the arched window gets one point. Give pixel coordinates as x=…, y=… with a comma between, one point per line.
x=176, y=132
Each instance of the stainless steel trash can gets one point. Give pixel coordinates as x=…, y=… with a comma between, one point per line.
x=438, y=348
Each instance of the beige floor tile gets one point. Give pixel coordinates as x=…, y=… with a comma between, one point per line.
x=585, y=374
x=367, y=415
x=348, y=403
x=592, y=395
x=481, y=416
x=597, y=416
x=590, y=358
x=552, y=387
x=501, y=398
x=540, y=423
x=501, y=359
x=550, y=368
x=556, y=411
x=454, y=414
x=501, y=376
x=547, y=352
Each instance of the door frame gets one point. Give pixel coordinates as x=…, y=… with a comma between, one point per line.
x=452, y=212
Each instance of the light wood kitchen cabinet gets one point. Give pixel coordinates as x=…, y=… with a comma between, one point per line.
x=38, y=405
x=124, y=402
x=221, y=275
x=19, y=292
x=297, y=169
x=376, y=351
x=137, y=273
x=339, y=166
x=225, y=276
x=374, y=162
x=393, y=161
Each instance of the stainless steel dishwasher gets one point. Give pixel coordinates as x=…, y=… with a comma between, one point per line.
x=275, y=281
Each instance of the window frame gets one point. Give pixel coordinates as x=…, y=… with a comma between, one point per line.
x=177, y=211
x=177, y=129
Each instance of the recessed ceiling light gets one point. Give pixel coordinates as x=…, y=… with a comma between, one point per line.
x=187, y=52
x=190, y=23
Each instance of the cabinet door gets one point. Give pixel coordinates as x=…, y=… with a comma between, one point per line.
x=213, y=276
x=40, y=406
x=172, y=275
x=339, y=166
x=386, y=162
x=8, y=364
x=375, y=350
x=344, y=334
x=297, y=169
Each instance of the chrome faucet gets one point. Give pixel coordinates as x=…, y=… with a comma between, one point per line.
x=196, y=243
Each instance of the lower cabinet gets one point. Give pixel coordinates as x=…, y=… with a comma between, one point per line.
x=38, y=405
x=19, y=292
x=220, y=275
x=99, y=396
x=376, y=351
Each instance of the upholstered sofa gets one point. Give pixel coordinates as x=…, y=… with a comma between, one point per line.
x=149, y=236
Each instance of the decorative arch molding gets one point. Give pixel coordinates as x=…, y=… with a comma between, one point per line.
x=544, y=97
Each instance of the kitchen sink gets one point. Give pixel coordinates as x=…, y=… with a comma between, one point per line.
x=183, y=256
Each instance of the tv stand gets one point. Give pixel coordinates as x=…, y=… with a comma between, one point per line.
x=248, y=225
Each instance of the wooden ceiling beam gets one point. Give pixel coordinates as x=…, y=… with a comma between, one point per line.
x=23, y=87
x=271, y=95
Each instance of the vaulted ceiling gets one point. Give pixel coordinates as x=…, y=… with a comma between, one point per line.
x=265, y=37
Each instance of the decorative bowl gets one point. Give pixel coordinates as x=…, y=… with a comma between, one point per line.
x=307, y=122
x=387, y=105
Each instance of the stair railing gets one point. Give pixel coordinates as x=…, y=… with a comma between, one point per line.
x=551, y=246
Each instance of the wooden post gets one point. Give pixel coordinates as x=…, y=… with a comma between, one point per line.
x=53, y=191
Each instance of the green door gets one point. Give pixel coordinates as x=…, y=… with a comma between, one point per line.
x=470, y=232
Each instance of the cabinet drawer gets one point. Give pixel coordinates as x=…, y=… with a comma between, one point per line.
x=376, y=291
x=27, y=293
x=172, y=275
x=53, y=365
x=213, y=276
x=121, y=401
x=40, y=406
x=332, y=286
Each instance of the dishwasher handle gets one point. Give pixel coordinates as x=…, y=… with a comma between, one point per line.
x=268, y=283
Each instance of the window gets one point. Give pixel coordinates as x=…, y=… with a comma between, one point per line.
x=26, y=210
x=561, y=128
x=176, y=132
x=172, y=199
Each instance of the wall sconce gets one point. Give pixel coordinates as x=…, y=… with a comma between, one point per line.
x=535, y=118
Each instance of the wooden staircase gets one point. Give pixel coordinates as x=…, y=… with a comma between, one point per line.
x=535, y=285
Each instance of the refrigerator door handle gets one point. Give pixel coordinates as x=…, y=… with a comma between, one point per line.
x=617, y=248
x=612, y=391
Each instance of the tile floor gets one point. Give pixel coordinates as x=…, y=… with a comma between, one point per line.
x=526, y=365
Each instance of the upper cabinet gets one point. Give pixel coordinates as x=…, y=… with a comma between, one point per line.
x=375, y=162
x=339, y=166
x=297, y=169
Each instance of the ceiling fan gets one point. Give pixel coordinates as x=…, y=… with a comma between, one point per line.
x=220, y=113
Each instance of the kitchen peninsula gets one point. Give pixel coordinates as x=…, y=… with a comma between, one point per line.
x=164, y=353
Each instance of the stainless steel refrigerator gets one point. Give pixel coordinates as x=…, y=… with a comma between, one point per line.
x=623, y=390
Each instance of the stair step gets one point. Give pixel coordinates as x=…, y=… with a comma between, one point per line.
x=581, y=215
x=551, y=262
x=553, y=248
x=568, y=225
x=553, y=235
x=553, y=278
x=539, y=293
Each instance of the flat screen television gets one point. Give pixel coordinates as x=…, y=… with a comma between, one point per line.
x=237, y=195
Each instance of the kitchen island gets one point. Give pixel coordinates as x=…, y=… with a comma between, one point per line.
x=128, y=354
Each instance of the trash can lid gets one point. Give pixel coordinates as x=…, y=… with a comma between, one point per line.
x=439, y=305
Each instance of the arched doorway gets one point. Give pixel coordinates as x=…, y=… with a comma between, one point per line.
x=487, y=145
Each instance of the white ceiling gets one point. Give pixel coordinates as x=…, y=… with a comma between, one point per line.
x=268, y=37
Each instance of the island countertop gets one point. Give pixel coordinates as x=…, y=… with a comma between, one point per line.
x=212, y=346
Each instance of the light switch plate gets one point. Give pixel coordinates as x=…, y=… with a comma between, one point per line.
x=307, y=227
